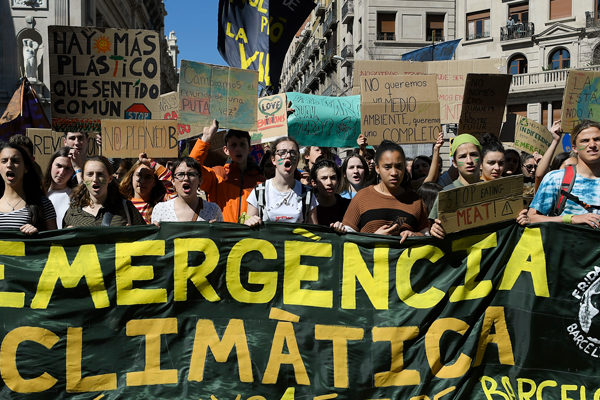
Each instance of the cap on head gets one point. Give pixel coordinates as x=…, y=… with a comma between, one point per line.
x=462, y=139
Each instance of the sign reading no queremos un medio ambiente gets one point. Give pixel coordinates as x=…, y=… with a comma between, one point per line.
x=215, y=311
x=323, y=120
x=102, y=73
x=208, y=92
x=401, y=108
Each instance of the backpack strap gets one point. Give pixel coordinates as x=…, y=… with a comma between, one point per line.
x=306, y=200
x=565, y=188
x=261, y=199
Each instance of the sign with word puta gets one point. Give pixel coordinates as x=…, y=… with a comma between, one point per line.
x=581, y=99
x=401, y=108
x=102, y=73
x=324, y=120
x=208, y=92
x=481, y=203
x=168, y=108
x=484, y=102
x=451, y=78
x=531, y=136
x=271, y=119
x=128, y=138
x=46, y=142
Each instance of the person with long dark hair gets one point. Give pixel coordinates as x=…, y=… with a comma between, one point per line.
x=492, y=151
x=58, y=182
x=355, y=171
x=325, y=177
x=97, y=200
x=391, y=207
x=23, y=204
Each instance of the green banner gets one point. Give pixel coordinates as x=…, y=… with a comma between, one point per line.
x=222, y=311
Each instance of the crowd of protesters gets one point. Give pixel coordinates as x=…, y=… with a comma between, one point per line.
x=378, y=191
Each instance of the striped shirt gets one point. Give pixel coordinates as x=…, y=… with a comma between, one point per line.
x=17, y=218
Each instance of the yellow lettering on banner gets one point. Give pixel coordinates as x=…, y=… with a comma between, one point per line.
x=474, y=245
x=549, y=383
x=397, y=375
x=597, y=394
x=241, y=35
x=263, y=69
x=246, y=62
x=75, y=382
x=11, y=299
x=528, y=256
x=491, y=389
x=206, y=337
x=228, y=32
x=268, y=280
x=126, y=273
x=432, y=348
x=507, y=387
x=407, y=260
x=375, y=286
x=182, y=272
x=339, y=335
x=568, y=388
x=526, y=394
x=494, y=316
x=295, y=273
x=259, y=5
x=153, y=329
x=85, y=265
x=264, y=23
x=284, y=334
x=8, y=359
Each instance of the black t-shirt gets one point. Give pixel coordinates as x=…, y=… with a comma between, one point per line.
x=327, y=215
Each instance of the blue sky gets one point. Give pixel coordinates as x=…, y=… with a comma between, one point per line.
x=195, y=25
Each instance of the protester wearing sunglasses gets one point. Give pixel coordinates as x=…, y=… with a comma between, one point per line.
x=187, y=206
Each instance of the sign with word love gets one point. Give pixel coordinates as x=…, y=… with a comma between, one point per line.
x=481, y=203
x=402, y=108
x=102, y=73
x=484, y=102
x=531, y=136
x=581, y=99
x=324, y=120
x=129, y=138
x=46, y=142
x=271, y=119
x=208, y=92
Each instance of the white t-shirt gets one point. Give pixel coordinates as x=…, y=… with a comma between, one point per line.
x=165, y=212
x=60, y=200
x=282, y=206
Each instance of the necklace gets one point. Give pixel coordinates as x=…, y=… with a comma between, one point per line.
x=13, y=206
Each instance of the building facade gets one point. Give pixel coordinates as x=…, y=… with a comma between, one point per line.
x=24, y=49
x=539, y=39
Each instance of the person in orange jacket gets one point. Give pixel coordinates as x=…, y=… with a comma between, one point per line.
x=229, y=186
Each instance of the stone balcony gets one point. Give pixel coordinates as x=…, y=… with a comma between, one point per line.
x=545, y=80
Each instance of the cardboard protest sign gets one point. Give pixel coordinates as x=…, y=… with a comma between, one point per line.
x=481, y=203
x=451, y=78
x=208, y=92
x=271, y=119
x=102, y=73
x=168, y=108
x=531, y=136
x=128, y=138
x=484, y=102
x=46, y=142
x=401, y=108
x=581, y=99
x=323, y=120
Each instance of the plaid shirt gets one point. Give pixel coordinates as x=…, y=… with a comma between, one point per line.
x=588, y=191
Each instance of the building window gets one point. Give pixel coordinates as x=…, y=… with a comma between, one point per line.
x=478, y=25
x=435, y=27
x=560, y=59
x=386, y=26
x=560, y=8
x=517, y=65
x=519, y=13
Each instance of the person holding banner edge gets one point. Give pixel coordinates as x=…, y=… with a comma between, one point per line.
x=466, y=157
x=582, y=200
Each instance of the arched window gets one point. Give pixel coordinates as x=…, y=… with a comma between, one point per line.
x=596, y=55
x=517, y=64
x=560, y=58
